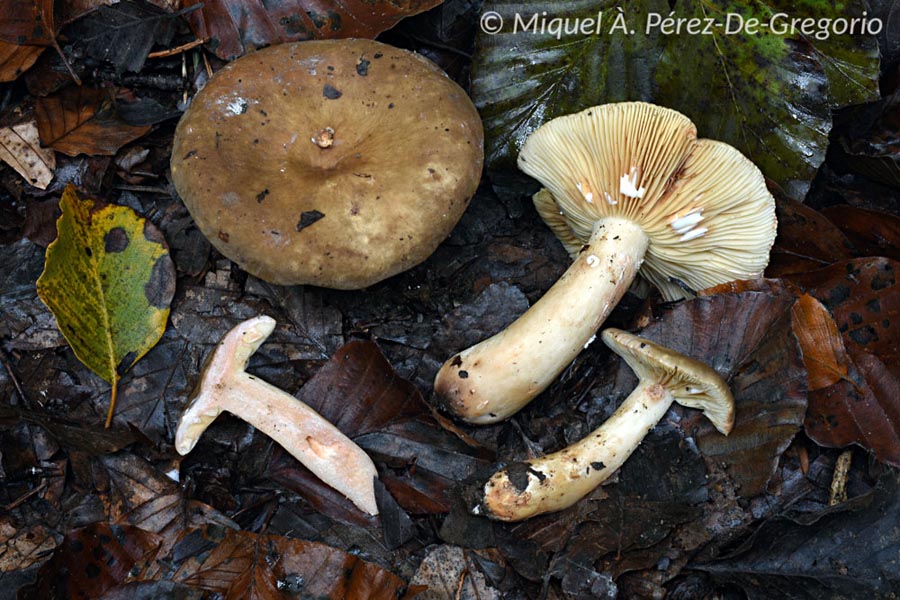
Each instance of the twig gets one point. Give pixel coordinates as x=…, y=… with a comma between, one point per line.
x=12, y=376
x=177, y=50
x=839, y=479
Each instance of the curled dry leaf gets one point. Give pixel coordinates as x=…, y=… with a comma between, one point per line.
x=853, y=357
x=20, y=148
x=81, y=120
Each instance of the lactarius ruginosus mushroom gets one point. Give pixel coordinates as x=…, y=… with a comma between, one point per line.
x=561, y=479
x=628, y=187
x=226, y=386
x=335, y=163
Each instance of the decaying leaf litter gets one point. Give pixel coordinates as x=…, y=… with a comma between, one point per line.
x=689, y=512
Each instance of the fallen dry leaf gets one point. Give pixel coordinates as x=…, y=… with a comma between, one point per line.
x=820, y=341
x=20, y=148
x=15, y=59
x=82, y=120
x=234, y=26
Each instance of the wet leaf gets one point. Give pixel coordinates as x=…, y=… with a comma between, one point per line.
x=747, y=339
x=806, y=240
x=522, y=79
x=449, y=572
x=235, y=26
x=740, y=88
x=239, y=564
x=873, y=232
x=20, y=148
x=82, y=120
x=862, y=407
x=364, y=397
x=15, y=59
x=93, y=560
x=23, y=547
x=108, y=280
x=849, y=552
x=123, y=34
x=743, y=88
x=862, y=296
x=27, y=23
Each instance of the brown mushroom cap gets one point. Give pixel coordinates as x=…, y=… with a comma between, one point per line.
x=335, y=163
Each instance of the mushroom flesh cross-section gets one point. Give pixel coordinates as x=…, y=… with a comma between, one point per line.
x=561, y=479
x=629, y=190
x=226, y=386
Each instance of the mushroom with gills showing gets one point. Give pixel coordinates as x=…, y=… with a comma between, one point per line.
x=629, y=190
x=335, y=163
x=226, y=386
x=561, y=479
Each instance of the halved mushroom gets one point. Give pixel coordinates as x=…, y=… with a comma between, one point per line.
x=561, y=479
x=335, y=163
x=628, y=188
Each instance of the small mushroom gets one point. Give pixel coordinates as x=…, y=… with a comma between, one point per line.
x=559, y=480
x=628, y=189
x=320, y=446
x=335, y=163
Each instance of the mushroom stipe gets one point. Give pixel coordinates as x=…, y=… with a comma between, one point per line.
x=559, y=480
x=226, y=386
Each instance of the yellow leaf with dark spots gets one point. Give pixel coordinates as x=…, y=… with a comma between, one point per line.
x=108, y=279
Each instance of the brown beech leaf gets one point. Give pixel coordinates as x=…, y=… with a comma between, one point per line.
x=747, y=339
x=29, y=22
x=234, y=26
x=806, y=239
x=16, y=59
x=873, y=232
x=364, y=397
x=81, y=120
x=864, y=406
x=862, y=295
x=820, y=341
x=92, y=560
x=20, y=148
x=239, y=564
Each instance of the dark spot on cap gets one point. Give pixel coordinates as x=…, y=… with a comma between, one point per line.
x=262, y=195
x=377, y=55
x=597, y=466
x=116, y=240
x=391, y=105
x=223, y=236
x=362, y=67
x=457, y=361
x=160, y=289
x=330, y=92
x=309, y=217
x=189, y=155
x=463, y=374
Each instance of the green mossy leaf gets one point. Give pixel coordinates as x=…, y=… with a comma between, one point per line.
x=108, y=280
x=768, y=94
x=520, y=79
